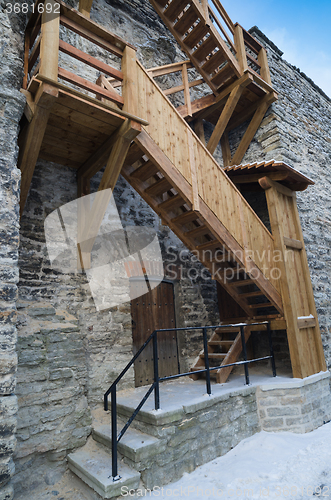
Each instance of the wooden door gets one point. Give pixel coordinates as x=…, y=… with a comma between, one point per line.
x=152, y=311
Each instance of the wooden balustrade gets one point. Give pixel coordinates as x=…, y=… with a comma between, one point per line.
x=209, y=182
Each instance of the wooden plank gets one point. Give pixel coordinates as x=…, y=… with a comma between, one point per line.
x=292, y=243
x=145, y=171
x=306, y=322
x=219, y=7
x=67, y=162
x=199, y=130
x=26, y=58
x=85, y=7
x=264, y=71
x=68, y=49
x=224, y=118
x=179, y=88
x=249, y=178
x=92, y=37
x=49, y=45
x=94, y=28
x=187, y=96
x=194, y=176
x=29, y=152
x=240, y=48
x=77, y=118
x=267, y=183
x=168, y=68
x=87, y=85
x=128, y=131
x=34, y=55
x=130, y=89
x=232, y=356
x=84, y=97
x=226, y=151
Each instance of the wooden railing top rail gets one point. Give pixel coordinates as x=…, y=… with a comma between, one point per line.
x=82, y=21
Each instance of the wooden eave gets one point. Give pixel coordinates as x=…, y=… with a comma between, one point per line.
x=283, y=173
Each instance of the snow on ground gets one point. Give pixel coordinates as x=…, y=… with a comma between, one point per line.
x=267, y=465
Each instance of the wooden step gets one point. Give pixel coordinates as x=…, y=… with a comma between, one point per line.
x=208, y=245
x=145, y=171
x=198, y=231
x=162, y=3
x=222, y=75
x=221, y=343
x=187, y=20
x=172, y=202
x=241, y=283
x=214, y=62
x=197, y=34
x=174, y=9
x=185, y=218
x=206, y=48
x=214, y=355
x=159, y=187
x=260, y=306
x=228, y=329
x=258, y=293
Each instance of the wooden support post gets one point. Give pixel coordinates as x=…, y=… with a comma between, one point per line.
x=49, y=45
x=128, y=131
x=194, y=174
x=199, y=130
x=264, y=71
x=34, y=135
x=226, y=151
x=130, y=81
x=83, y=214
x=85, y=7
x=26, y=57
x=224, y=118
x=187, y=96
x=306, y=350
x=249, y=134
x=240, y=47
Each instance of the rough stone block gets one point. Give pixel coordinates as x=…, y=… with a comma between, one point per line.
x=283, y=411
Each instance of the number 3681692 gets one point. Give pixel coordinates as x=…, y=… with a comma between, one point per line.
x=24, y=8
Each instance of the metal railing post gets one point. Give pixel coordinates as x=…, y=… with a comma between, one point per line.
x=271, y=348
x=156, y=373
x=205, y=349
x=243, y=343
x=115, y=475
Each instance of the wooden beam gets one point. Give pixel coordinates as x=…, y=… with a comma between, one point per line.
x=224, y=118
x=249, y=134
x=292, y=243
x=89, y=86
x=306, y=322
x=68, y=49
x=34, y=135
x=226, y=151
x=240, y=47
x=246, y=179
x=85, y=7
x=49, y=45
x=99, y=158
x=108, y=106
x=267, y=183
x=199, y=130
x=130, y=80
x=264, y=71
x=187, y=96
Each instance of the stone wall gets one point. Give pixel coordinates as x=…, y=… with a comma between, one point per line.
x=11, y=108
x=298, y=406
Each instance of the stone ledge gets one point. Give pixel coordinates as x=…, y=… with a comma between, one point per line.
x=296, y=383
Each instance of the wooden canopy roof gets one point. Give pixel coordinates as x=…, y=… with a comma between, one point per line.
x=275, y=170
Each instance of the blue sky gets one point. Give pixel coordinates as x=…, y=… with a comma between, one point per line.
x=300, y=28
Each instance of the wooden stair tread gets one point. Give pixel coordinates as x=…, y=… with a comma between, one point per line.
x=159, y=187
x=260, y=306
x=206, y=48
x=172, y=202
x=214, y=355
x=241, y=282
x=208, y=245
x=145, y=171
x=258, y=293
x=174, y=9
x=199, y=231
x=198, y=32
x=186, y=21
x=185, y=218
x=221, y=343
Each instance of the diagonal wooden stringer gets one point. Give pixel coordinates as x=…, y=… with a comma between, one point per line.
x=90, y=218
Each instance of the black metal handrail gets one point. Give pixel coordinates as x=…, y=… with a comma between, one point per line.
x=156, y=384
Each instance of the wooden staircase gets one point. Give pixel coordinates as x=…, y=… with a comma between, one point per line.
x=224, y=347
x=191, y=25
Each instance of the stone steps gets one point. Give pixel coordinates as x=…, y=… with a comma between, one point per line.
x=93, y=464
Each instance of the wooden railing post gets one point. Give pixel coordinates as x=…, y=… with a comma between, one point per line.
x=264, y=71
x=240, y=48
x=130, y=81
x=49, y=45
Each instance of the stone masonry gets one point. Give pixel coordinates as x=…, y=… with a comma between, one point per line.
x=68, y=353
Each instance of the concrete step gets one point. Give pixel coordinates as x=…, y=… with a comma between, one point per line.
x=92, y=464
x=135, y=445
